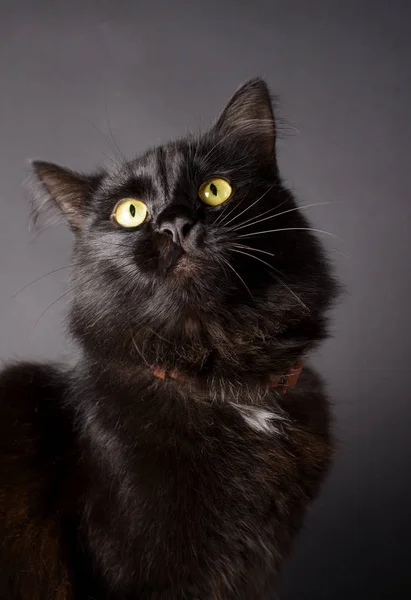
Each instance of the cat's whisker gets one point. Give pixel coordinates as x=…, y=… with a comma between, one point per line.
x=252, y=248
x=222, y=217
x=340, y=253
x=246, y=224
x=158, y=335
x=239, y=276
x=251, y=205
x=280, y=281
x=60, y=298
x=234, y=228
x=40, y=229
x=76, y=264
x=288, y=229
x=140, y=352
x=255, y=216
x=40, y=278
x=223, y=213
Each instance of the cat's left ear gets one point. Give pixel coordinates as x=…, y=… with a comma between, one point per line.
x=249, y=114
x=64, y=189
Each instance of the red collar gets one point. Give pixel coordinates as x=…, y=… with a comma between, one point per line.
x=276, y=381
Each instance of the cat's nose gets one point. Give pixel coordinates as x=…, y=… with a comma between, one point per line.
x=178, y=228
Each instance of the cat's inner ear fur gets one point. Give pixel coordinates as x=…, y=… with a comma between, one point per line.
x=250, y=114
x=62, y=188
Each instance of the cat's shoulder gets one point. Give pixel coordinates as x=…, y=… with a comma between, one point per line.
x=308, y=403
x=35, y=442
x=32, y=409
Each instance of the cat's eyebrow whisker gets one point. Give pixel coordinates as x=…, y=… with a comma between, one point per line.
x=112, y=158
x=280, y=281
x=125, y=162
x=246, y=224
x=255, y=125
x=210, y=152
x=288, y=229
x=251, y=205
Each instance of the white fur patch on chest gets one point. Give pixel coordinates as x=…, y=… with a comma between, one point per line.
x=260, y=419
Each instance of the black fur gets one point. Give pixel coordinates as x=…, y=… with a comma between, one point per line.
x=116, y=484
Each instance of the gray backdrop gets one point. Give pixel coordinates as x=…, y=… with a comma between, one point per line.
x=71, y=71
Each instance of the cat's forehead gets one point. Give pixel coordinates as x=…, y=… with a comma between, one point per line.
x=189, y=158
x=163, y=165
x=171, y=158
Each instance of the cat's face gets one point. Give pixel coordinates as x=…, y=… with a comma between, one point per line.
x=180, y=242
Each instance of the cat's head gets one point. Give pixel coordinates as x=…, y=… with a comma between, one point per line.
x=194, y=255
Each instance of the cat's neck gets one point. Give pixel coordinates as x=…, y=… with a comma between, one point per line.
x=113, y=379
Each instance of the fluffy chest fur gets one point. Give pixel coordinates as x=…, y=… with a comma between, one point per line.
x=194, y=490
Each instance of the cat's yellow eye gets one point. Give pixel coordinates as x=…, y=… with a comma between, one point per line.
x=215, y=191
x=130, y=212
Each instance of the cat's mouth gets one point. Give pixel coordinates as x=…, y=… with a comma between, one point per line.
x=174, y=260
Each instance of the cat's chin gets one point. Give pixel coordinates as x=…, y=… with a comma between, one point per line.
x=185, y=266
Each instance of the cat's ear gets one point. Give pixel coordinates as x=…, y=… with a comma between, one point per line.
x=250, y=113
x=61, y=188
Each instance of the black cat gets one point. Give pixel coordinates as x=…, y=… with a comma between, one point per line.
x=176, y=460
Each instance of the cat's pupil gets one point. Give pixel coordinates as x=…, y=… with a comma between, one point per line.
x=132, y=210
x=213, y=189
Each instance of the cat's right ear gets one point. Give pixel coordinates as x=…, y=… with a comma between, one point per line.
x=56, y=187
x=250, y=115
